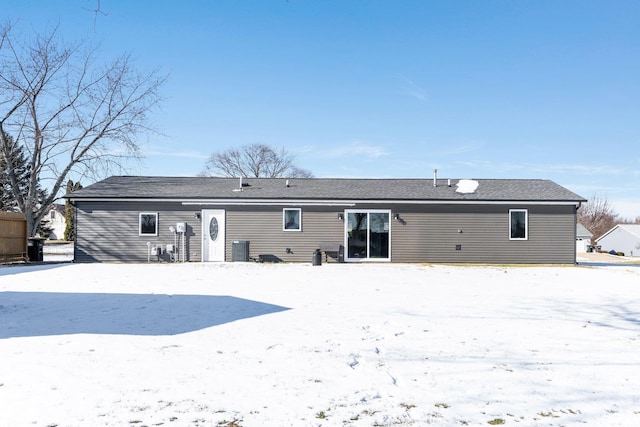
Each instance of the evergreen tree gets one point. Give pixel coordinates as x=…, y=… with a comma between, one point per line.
x=69, y=212
x=44, y=230
x=16, y=157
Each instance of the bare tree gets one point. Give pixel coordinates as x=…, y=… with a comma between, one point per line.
x=598, y=216
x=72, y=114
x=255, y=160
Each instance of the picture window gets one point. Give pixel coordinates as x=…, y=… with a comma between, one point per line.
x=518, y=224
x=292, y=219
x=148, y=224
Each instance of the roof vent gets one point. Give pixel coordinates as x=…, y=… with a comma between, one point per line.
x=241, y=185
x=287, y=183
x=435, y=177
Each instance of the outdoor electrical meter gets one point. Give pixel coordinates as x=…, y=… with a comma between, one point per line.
x=181, y=227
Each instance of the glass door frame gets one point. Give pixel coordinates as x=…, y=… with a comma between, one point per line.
x=347, y=258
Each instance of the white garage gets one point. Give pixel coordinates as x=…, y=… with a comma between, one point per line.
x=622, y=238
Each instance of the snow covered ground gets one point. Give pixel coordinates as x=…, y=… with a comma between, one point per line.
x=238, y=344
x=57, y=251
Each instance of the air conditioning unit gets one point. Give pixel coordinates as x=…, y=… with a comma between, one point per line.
x=240, y=251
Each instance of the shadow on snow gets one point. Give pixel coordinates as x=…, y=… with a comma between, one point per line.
x=30, y=314
x=608, y=264
x=7, y=270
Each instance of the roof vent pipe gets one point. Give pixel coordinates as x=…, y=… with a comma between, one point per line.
x=435, y=177
x=239, y=188
x=449, y=182
x=287, y=183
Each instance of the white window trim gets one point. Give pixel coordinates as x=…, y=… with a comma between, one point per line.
x=526, y=224
x=140, y=233
x=346, y=236
x=284, y=218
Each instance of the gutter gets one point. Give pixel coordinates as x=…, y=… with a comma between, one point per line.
x=328, y=202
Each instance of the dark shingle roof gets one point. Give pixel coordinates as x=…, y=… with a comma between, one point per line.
x=196, y=188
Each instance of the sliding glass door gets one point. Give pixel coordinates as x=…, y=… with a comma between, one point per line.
x=367, y=235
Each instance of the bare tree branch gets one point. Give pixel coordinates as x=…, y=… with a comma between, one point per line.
x=97, y=11
x=71, y=113
x=598, y=216
x=255, y=160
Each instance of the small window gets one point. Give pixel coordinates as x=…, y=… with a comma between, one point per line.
x=292, y=219
x=148, y=224
x=53, y=215
x=213, y=228
x=518, y=219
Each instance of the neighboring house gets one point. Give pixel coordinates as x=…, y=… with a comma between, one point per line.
x=56, y=221
x=622, y=238
x=123, y=218
x=583, y=238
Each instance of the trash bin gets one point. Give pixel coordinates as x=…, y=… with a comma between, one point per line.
x=317, y=257
x=35, y=249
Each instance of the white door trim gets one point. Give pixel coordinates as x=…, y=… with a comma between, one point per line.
x=220, y=215
x=368, y=237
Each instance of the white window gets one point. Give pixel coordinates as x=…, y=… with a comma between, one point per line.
x=53, y=215
x=148, y=224
x=292, y=219
x=518, y=224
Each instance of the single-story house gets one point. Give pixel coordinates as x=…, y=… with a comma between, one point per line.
x=623, y=238
x=583, y=238
x=138, y=218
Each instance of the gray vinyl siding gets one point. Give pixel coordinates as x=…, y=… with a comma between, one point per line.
x=430, y=234
x=108, y=232
x=424, y=233
x=262, y=227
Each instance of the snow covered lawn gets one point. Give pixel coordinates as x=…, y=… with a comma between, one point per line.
x=290, y=344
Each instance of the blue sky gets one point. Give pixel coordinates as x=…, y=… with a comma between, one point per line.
x=476, y=89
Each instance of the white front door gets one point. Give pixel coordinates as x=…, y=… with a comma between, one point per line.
x=213, y=239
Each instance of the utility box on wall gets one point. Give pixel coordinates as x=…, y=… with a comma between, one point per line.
x=240, y=251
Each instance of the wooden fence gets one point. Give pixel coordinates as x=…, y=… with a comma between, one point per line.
x=13, y=237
